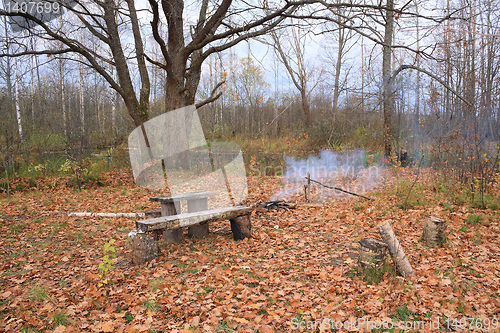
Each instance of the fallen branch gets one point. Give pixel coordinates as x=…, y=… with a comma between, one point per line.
x=84, y=214
x=338, y=189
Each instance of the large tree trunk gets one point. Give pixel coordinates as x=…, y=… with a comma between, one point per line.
x=338, y=63
x=306, y=108
x=388, y=94
x=138, y=111
x=177, y=62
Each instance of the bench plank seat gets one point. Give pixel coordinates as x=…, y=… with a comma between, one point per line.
x=189, y=219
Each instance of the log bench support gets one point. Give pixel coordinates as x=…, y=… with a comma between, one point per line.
x=199, y=230
x=241, y=227
x=145, y=248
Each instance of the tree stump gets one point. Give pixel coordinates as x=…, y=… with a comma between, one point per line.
x=171, y=236
x=433, y=232
x=200, y=230
x=398, y=256
x=241, y=227
x=144, y=248
x=372, y=254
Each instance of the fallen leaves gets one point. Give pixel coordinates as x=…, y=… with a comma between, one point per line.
x=303, y=269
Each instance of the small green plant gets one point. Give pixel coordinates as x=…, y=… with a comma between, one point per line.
x=403, y=313
x=224, y=327
x=128, y=317
x=473, y=219
x=18, y=228
x=478, y=238
x=352, y=273
x=448, y=207
x=60, y=318
x=373, y=275
x=107, y=263
x=208, y=289
x=150, y=305
x=154, y=285
x=299, y=318
x=39, y=293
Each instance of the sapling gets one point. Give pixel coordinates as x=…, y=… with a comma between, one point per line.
x=107, y=263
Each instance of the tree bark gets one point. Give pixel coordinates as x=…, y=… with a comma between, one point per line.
x=372, y=254
x=241, y=227
x=16, y=101
x=144, y=248
x=137, y=111
x=306, y=108
x=388, y=93
x=433, y=232
x=299, y=74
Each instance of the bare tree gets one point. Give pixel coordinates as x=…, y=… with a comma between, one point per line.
x=293, y=58
x=218, y=27
x=388, y=94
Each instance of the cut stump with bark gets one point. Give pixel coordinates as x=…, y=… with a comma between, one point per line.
x=173, y=236
x=433, y=232
x=372, y=254
x=145, y=248
x=200, y=230
x=241, y=227
x=398, y=256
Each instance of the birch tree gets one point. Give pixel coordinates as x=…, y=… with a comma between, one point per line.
x=291, y=53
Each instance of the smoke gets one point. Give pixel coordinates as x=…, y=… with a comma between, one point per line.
x=353, y=171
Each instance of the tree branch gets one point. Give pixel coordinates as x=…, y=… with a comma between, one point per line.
x=403, y=67
x=213, y=97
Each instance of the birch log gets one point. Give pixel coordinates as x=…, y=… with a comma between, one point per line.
x=398, y=256
x=86, y=214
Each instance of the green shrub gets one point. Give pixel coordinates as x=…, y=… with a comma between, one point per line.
x=473, y=219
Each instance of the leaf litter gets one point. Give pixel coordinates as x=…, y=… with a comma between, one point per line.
x=303, y=271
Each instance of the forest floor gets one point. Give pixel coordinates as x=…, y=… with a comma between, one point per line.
x=297, y=271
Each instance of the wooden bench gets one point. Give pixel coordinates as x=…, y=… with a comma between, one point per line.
x=196, y=201
x=170, y=224
x=238, y=215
